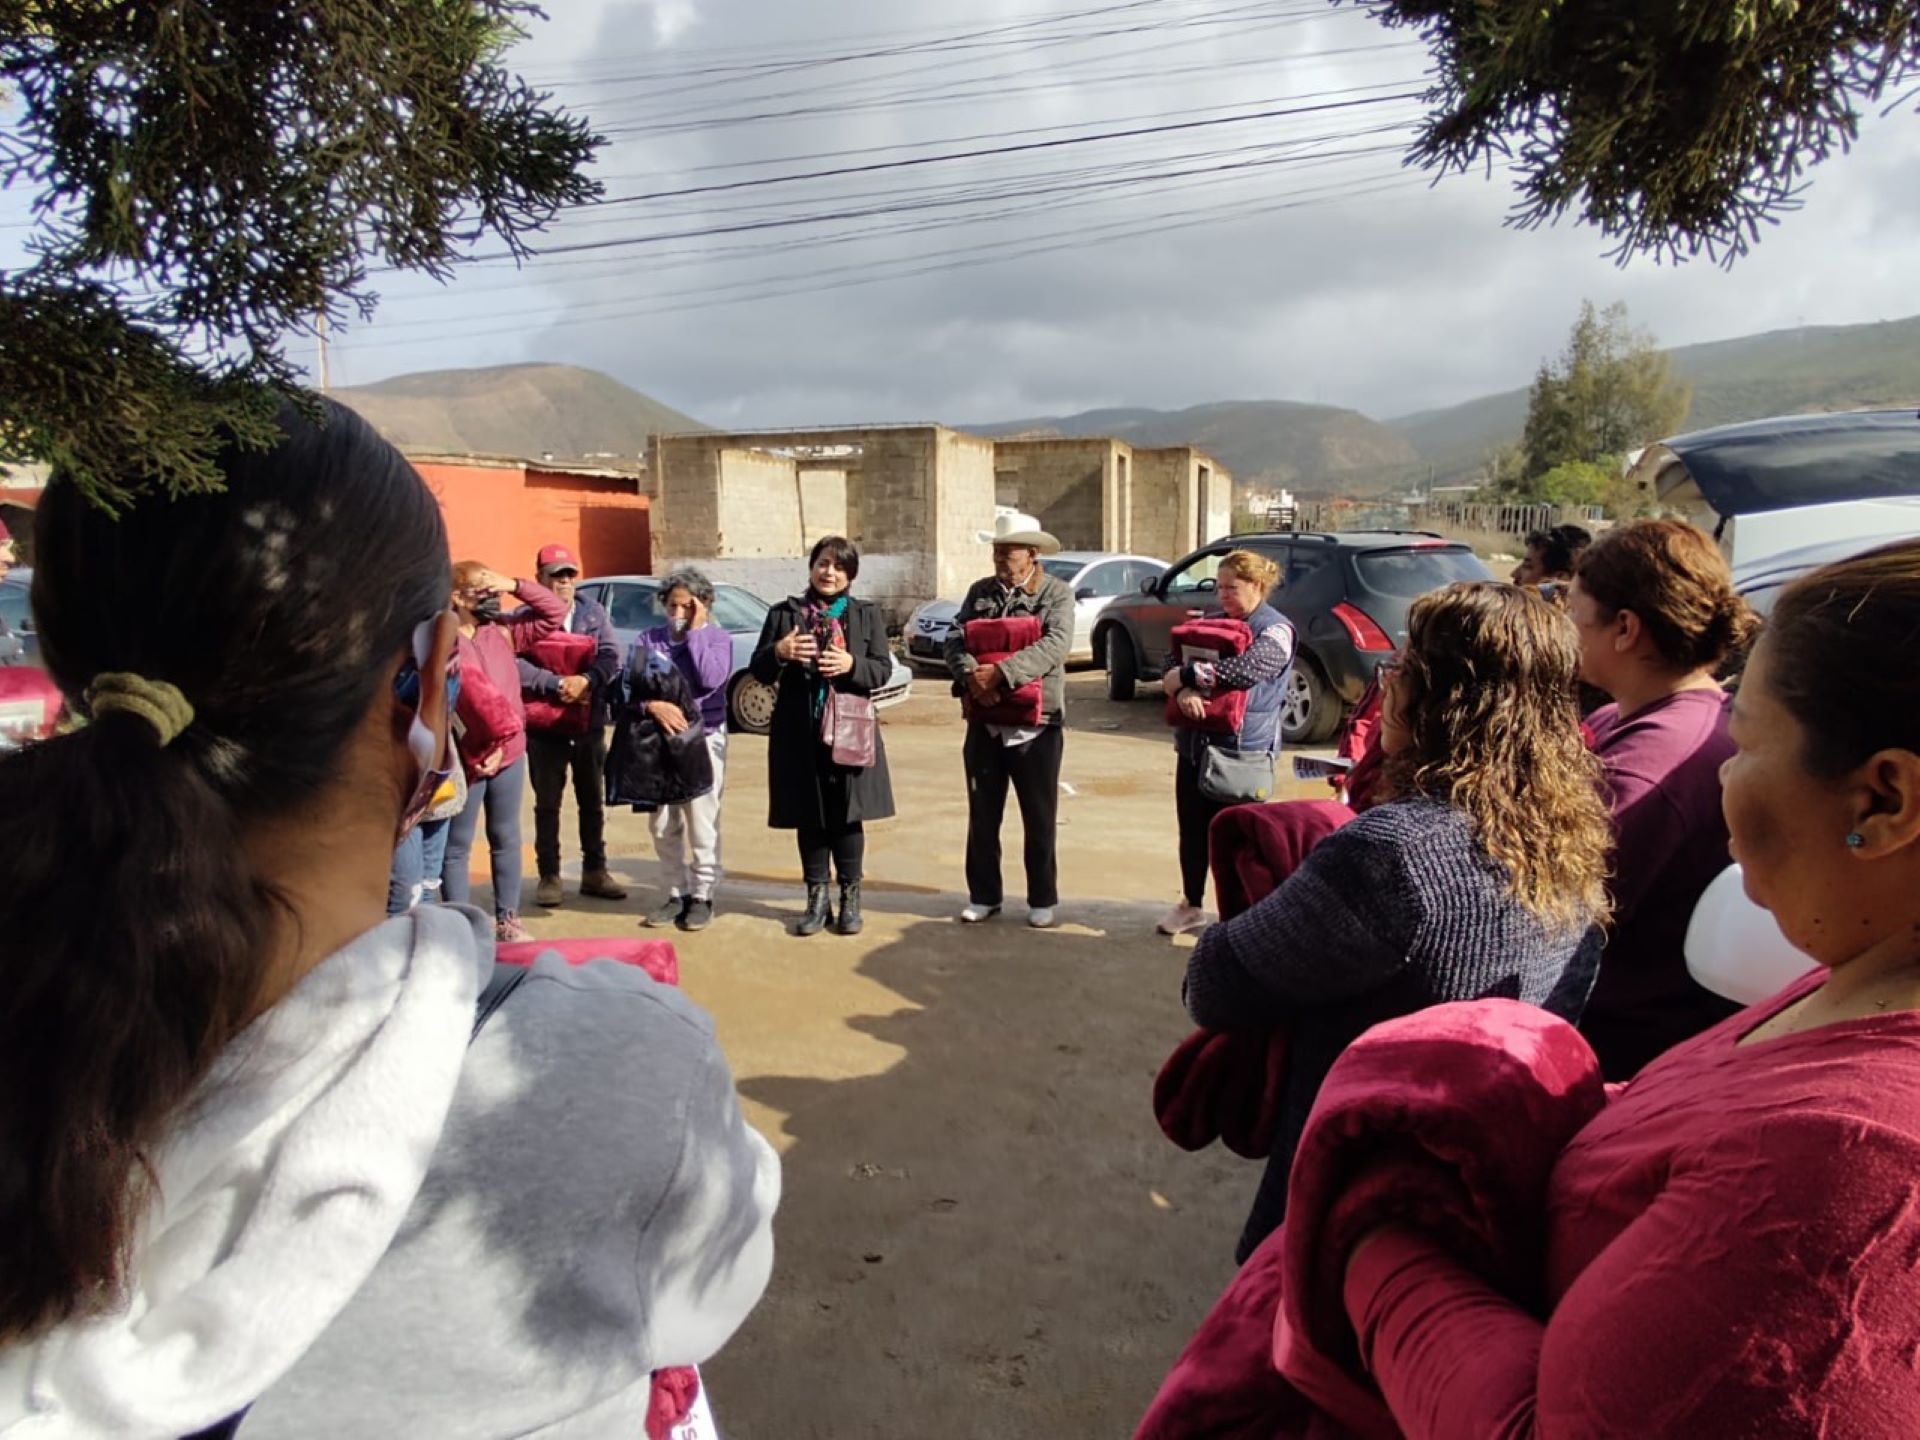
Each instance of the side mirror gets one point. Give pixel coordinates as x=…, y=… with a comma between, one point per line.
x=1150, y=586
x=1209, y=585
x=1085, y=592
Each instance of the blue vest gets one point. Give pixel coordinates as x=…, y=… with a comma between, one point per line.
x=1260, y=731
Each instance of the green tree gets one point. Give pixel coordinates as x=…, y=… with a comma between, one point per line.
x=1676, y=128
x=210, y=176
x=1611, y=391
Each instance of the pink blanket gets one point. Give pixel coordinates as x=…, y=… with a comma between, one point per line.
x=1449, y=1120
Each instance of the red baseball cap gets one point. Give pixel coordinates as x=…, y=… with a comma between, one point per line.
x=556, y=557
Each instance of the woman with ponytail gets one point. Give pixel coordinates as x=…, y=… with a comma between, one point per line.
x=257, y=1158
x=1658, y=618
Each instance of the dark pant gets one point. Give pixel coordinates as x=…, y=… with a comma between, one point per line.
x=549, y=756
x=824, y=852
x=1195, y=813
x=1033, y=770
x=501, y=795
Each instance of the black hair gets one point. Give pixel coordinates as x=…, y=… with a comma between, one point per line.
x=135, y=929
x=1560, y=547
x=844, y=552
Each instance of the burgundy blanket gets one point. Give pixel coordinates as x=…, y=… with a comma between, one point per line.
x=991, y=642
x=671, y=1398
x=1226, y=1084
x=1216, y=639
x=1450, y=1120
x=561, y=653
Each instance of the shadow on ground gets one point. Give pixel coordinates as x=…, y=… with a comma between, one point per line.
x=989, y=1237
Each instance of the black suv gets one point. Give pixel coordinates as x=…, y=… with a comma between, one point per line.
x=1347, y=594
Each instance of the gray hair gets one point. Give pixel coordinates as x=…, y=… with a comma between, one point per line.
x=693, y=581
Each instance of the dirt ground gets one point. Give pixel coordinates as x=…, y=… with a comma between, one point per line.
x=983, y=1232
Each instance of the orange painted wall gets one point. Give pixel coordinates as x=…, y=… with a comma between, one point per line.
x=503, y=514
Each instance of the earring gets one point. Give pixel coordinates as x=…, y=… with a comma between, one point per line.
x=1855, y=840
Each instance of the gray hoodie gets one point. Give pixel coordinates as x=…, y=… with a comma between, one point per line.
x=371, y=1228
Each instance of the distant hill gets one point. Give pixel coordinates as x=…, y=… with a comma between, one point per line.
x=1781, y=372
x=525, y=410
x=1307, y=447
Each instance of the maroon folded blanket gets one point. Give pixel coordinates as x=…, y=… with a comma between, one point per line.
x=1449, y=1119
x=1219, y=638
x=1226, y=1084
x=561, y=653
x=991, y=642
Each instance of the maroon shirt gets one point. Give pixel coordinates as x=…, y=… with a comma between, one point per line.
x=1670, y=840
x=492, y=652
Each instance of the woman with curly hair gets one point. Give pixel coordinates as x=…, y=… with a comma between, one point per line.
x=1481, y=873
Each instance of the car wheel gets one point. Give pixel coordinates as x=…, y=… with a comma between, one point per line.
x=750, y=705
x=1123, y=668
x=1309, y=710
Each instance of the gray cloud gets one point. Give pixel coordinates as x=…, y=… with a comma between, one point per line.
x=1411, y=297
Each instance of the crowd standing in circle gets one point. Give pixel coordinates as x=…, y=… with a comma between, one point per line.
x=230, y=1090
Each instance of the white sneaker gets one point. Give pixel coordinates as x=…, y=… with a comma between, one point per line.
x=1041, y=919
x=1181, y=918
x=974, y=914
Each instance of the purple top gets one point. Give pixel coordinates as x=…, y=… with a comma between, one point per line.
x=705, y=657
x=1670, y=840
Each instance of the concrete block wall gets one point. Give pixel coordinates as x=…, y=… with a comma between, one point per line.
x=1070, y=486
x=823, y=501
x=962, y=508
x=890, y=581
x=1161, y=502
x=760, y=504
x=686, y=478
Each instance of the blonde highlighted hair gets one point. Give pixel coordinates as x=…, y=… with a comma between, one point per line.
x=1253, y=567
x=1486, y=692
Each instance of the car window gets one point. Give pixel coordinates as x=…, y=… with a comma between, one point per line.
x=1413, y=572
x=1303, y=560
x=1062, y=569
x=13, y=607
x=634, y=607
x=1139, y=571
x=595, y=593
x=738, y=612
x=1108, y=580
x=1189, y=580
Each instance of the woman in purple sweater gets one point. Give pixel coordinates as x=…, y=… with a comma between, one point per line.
x=687, y=836
x=1658, y=616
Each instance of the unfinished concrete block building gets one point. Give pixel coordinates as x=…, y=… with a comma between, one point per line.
x=1101, y=494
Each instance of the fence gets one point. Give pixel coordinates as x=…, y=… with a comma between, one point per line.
x=1517, y=521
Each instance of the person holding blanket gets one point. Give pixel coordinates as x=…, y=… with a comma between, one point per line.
x=1203, y=787
x=1027, y=756
x=1482, y=873
x=686, y=836
x=824, y=640
x=1729, y=1244
x=560, y=742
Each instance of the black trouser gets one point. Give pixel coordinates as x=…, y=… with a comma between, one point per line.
x=549, y=757
x=1033, y=770
x=1195, y=813
x=824, y=852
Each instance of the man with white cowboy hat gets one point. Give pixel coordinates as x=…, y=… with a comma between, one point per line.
x=1027, y=758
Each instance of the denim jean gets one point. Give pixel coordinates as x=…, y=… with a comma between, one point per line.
x=417, y=863
x=501, y=797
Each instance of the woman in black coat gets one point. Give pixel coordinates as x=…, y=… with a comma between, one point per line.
x=824, y=638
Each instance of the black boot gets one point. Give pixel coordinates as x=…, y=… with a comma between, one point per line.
x=819, y=912
x=850, y=918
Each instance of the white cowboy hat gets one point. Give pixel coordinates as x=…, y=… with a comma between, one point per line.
x=1018, y=529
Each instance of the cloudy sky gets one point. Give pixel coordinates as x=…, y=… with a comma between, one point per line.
x=1287, y=256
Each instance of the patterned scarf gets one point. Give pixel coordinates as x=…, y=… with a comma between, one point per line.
x=825, y=620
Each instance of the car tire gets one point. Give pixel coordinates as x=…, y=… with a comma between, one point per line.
x=1309, y=710
x=1123, y=667
x=750, y=705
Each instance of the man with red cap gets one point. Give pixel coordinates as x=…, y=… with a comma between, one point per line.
x=552, y=752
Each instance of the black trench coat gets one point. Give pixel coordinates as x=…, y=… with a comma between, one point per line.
x=805, y=789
